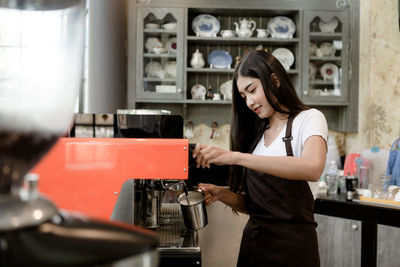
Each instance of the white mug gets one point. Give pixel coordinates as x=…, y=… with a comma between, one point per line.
x=262, y=33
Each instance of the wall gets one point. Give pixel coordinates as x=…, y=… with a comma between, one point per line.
x=107, y=57
x=379, y=92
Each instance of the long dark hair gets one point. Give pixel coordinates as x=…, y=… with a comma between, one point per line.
x=246, y=126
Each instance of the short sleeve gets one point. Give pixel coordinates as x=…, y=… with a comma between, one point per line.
x=314, y=124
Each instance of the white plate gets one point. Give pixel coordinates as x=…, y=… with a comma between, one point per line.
x=281, y=27
x=226, y=89
x=328, y=26
x=198, y=92
x=170, y=45
x=285, y=57
x=327, y=49
x=152, y=42
x=329, y=72
x=206, y=25
x=170, y=69
x=153, y=69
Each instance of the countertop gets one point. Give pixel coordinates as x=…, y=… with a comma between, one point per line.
x=338, y=206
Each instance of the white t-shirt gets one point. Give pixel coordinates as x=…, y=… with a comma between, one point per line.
x=307, y=123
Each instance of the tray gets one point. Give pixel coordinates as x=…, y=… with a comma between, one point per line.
x=378, y=202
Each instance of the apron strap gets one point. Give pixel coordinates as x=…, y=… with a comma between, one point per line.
x=288, y=137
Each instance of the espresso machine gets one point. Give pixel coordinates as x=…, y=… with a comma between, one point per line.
x=41, y=55
x=134, y=177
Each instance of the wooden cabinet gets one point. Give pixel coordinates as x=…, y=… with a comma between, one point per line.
x=388, y=245
x=159, y=51
x=336, y=96
x=339, y=241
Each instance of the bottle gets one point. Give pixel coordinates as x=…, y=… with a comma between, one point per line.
x=331, y=178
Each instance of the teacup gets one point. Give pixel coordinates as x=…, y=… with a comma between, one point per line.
x=159, y=49
x=227, y=33
x=262, y=33
x=217, y=96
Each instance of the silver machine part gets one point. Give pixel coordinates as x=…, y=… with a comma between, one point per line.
x=148, y=259
x=194, y=213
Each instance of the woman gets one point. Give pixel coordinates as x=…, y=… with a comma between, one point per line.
x=278, y=145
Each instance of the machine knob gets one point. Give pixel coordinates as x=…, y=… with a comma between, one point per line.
x=354, y=227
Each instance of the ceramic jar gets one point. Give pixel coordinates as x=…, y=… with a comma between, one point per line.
x=197, y=60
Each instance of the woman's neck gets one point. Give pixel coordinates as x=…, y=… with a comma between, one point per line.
x=278, y=119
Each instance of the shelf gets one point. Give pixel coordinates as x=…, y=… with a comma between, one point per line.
x=210, y=70
x=159, y=80
x=323, y=82
x=320, y=101
x=314, y=58
x=152, y=55
x=158, y=31
x=326, y=35
x=239, y=40
x=185, y=101
x=232, y=70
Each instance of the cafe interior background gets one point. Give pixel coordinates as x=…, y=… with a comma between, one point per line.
x=378, y=96
x=379, y=91
x=105, y=91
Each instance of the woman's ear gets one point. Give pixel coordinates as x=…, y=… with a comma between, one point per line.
x=275, y=80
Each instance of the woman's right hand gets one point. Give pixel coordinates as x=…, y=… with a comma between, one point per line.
x=211, y=192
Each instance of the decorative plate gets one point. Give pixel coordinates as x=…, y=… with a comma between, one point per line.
x=327, y=49
x=285, y=57
x=170, y=69
x=312, y=71
x=198, y=92
x=153, y=69
x=220, y=59
x=206, y=25
x=152, y=42
x=313, y=48
x=328, y=26
x=171, y=45
x=226, y=89
x=329, y=71
x=281, y=27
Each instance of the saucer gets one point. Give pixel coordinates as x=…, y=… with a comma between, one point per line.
x=226, y=89
x=170, y=69
x=327, y=49
x=153, y=69
x=285, y=57
x=329, y=72
x=281, y=27
x=152, y=42
x=198, y=91
x=206, y=25
x=170, y=45
x=328, y=26
x=220, y=59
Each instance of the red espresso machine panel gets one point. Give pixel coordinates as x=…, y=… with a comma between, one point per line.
x=86, y=174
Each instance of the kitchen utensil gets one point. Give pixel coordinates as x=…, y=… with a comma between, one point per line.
x=194, y=213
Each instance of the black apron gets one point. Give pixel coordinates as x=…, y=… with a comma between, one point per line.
x=281, y=228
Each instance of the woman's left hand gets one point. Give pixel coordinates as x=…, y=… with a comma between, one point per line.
x=205, y=155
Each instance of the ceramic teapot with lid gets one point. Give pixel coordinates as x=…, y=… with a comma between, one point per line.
x=246, y=27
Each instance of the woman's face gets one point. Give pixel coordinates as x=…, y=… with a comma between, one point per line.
x=252, y=91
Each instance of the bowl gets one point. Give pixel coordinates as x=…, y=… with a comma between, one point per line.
x=151, y=26
x=169, y=26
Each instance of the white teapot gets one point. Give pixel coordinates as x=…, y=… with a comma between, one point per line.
x=197, y=60
x=246, y=27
